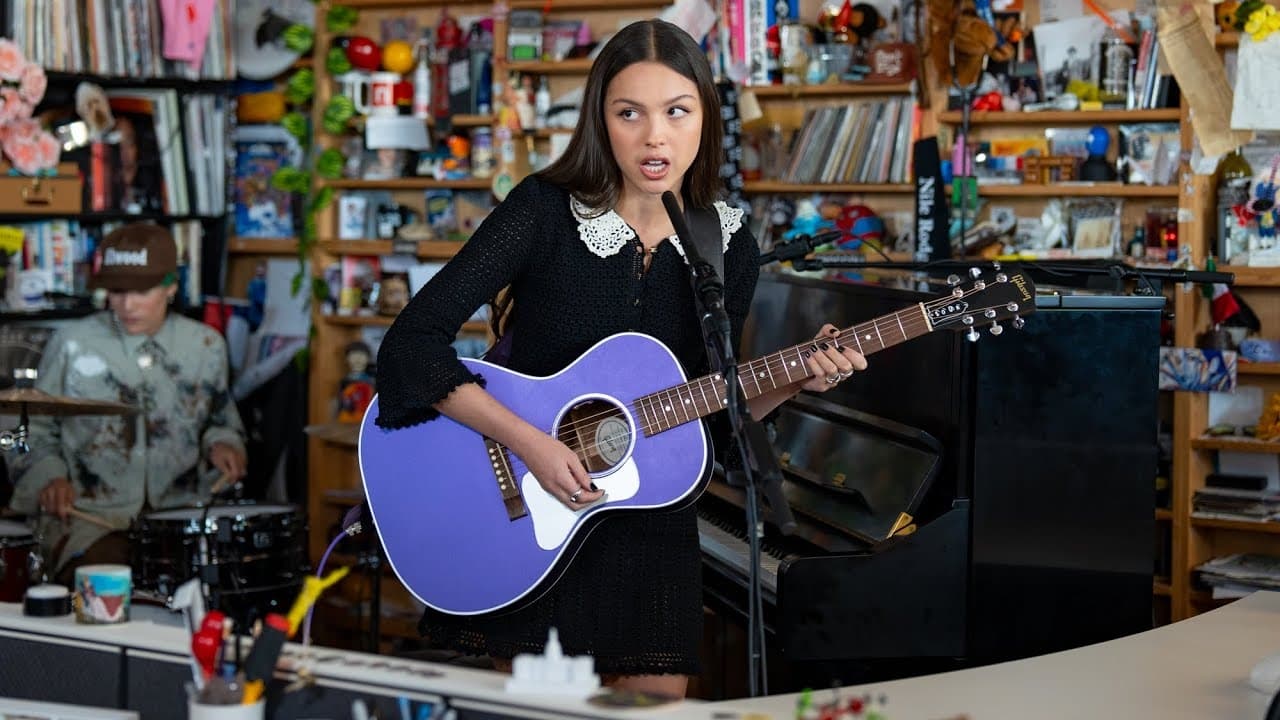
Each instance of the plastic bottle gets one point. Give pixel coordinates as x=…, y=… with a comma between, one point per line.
x=422, y=81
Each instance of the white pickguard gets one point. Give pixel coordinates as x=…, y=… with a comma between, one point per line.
x=552, y=521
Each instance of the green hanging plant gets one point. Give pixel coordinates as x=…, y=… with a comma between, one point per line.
x=340, y=18
x=337, y=114
x=301, y=87
x=299, y=38
x=329, y=164
x=295, y=123
x=336, y=61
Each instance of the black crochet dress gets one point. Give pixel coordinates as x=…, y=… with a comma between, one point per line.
x=632, y=597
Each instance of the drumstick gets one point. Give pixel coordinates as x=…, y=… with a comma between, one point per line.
x=222, y=483
x=90, y=518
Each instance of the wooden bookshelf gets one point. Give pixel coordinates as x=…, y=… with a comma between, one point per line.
x=1227, y=39
x=1164, y=514
x=1063, y=117
x=775, y=186
x=576, y=66
x=1259, y=277
x=826, y=90
x=408, y=183
x=1269, y=528
x=1100, y=189
x=337, y=433
x=1236, y=444
x=1257, y=368
x=431, y=249
x=262, y=246
x=565, y=6
x=473, y=326
x=1161, y=588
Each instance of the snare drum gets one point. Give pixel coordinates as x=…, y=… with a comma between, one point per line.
x=251, y=558
x=19, y=558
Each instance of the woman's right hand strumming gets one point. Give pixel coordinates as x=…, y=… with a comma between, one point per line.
x=559, y=471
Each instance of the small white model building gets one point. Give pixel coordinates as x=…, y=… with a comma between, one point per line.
x=551, y=673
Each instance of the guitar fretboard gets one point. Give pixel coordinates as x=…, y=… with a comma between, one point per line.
x=698, y=398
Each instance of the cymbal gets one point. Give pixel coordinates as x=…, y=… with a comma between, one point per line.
x=38, y=402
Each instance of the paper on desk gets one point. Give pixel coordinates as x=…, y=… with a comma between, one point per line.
x=1203, y=81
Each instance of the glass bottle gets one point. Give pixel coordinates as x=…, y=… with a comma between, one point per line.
x=1232, y=184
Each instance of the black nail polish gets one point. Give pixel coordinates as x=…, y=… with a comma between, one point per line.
x=594, y=488
x=822, y=346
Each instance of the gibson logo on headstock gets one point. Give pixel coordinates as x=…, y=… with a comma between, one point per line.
x=945, y=311
x=1021, y=283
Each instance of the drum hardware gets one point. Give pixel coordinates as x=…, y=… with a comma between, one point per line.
x=24, y=399
x=20, y=560
x=248, y=559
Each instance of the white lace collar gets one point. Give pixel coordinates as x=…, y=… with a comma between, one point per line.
x=605, y=234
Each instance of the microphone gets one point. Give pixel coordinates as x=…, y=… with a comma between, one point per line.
x=798, y=247
x=706, y=284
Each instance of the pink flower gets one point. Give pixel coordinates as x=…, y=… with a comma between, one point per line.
x=33, y=83
x=11, y=60
x=48, y=150
x=10, y=105
x=24, y=155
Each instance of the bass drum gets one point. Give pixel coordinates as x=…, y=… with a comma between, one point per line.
x=250, y=558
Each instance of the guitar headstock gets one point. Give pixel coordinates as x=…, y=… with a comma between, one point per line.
x=983, y=302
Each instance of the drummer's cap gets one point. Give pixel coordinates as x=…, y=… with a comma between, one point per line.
x=138, y=256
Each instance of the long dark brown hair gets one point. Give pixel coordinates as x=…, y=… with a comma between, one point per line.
x=587, y=168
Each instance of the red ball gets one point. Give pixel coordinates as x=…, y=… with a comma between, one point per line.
x=364, y=54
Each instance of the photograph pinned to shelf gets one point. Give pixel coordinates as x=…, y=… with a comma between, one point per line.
x=1095, y=226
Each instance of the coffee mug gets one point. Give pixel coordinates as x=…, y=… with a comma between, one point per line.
x=382, y=93
x=355, y=86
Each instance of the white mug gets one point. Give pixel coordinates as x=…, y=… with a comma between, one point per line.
x=382, y=93
x=355, y=85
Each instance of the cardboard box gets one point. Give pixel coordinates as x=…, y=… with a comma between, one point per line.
x=41, y=195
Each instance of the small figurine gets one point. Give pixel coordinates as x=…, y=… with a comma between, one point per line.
x=393, y=296
x=356, y=390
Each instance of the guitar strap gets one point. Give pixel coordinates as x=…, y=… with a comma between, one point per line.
x=704, y=223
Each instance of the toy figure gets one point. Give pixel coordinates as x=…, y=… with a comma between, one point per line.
x=357, y=387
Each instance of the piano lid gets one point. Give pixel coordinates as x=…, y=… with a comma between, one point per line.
x=852, y=471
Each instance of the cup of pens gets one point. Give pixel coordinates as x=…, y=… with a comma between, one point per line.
x=231, y=711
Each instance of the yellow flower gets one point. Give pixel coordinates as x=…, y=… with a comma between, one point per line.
x=1262, y=22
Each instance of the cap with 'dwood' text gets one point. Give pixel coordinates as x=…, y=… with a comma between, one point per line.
x=138, y=256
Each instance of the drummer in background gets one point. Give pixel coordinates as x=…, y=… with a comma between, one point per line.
x=116, y=467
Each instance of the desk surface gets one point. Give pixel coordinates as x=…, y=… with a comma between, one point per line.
x=1197, y=668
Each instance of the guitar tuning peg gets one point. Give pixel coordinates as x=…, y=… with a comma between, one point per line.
x=972, y=335
x=996, y=328
x=995, y=265
x=953, y=279
x=1018, y=322
x=1001, y=277
x=975, y=273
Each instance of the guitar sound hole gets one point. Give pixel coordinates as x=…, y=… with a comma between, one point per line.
x=600, y=433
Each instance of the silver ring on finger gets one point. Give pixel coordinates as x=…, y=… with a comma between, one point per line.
x=574, y=497
x=846, y=375
x=832, y=379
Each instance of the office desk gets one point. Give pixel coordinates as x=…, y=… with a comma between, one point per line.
x=1198, y=668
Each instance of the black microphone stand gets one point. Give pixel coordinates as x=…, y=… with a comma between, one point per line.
x=759, y=464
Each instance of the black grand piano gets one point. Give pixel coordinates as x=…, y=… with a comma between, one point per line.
x=958, y=503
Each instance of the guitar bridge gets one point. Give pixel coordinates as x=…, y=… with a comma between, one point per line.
x=505, y=476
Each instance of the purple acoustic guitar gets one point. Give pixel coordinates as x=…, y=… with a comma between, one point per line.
x=469, y=530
